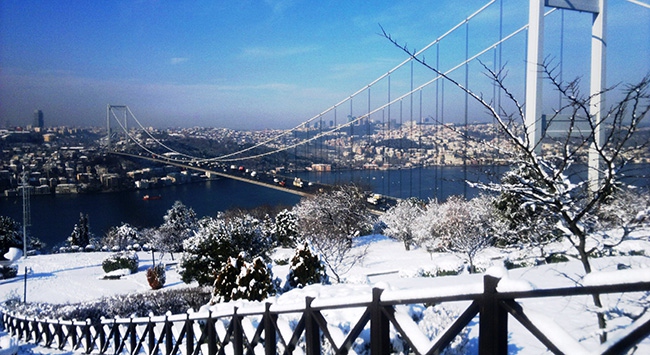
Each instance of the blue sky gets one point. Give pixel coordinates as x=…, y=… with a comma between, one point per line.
x=258, y=64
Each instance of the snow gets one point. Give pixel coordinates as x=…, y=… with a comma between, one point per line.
x=78, y=277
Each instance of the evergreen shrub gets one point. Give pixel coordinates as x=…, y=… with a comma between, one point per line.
x=121, y=260
x=305, y=268
x=156, y=276
x=238, y=279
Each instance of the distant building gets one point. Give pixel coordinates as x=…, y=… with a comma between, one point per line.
x=321, y=167
x=38, y=123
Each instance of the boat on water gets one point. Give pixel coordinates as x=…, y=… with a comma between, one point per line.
x=150, y=197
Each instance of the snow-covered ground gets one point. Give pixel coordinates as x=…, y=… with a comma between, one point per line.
x=71, y=278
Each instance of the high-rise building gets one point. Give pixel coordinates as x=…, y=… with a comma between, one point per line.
x=38, y=119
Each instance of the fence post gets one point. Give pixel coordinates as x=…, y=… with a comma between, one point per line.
x=379, y=326
x=59, y=334
x=88, y=337
x=212, y=334
x=270, y=341
x=312, y=333
x=169, y=335
x=117, y=337
x=101, y=334
x=237, y=333
x=189, y=334
x=151, y=327
x=133, y=335
x=493, y=326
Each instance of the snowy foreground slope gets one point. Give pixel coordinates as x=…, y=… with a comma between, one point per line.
x=72, y=278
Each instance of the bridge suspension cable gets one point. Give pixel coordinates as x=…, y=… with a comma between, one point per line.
x=231, y=157
x=358, y=92
x=387, y=105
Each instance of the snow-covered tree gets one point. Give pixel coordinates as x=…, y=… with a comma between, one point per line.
x=399, y=219
x=457, y=225
x=10, y=235
x=305, y=268
x=217, y=239
x=286, y=228
x=80, y=236
x=120, y=238
x=608, y=136
x=180, y=223
x=330, y=221
x=477, y=214
x=625, y=209
x=239, y=279
x=521, y=223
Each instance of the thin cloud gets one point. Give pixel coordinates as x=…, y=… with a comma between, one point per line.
x=178, y=60
x=270, y=52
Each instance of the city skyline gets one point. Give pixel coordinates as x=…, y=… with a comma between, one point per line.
x=254, y=65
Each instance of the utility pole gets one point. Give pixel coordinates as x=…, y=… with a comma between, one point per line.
x=26, y=209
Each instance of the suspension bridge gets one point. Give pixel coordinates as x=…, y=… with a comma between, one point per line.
x=400, y=121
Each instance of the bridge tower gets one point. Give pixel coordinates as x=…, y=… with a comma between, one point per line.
x=535, y=57
x=111, y=111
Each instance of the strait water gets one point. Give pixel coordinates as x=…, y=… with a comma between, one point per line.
x=53, y=217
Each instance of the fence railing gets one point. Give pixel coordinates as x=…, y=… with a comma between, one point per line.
x=267, y=328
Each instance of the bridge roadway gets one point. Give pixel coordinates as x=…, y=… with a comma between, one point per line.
x=265, y=179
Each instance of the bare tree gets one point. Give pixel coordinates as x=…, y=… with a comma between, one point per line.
x=330, y=221
x=399, y=220
x=550, y=188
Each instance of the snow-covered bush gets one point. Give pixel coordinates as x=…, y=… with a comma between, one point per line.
x=216, y=240
x=520, y=223
x=305, y=268
x=285, y=229
x=457, y=225
x=179, y=224
x=9, y=234
x=8, y=272
x=139, y=304
x=119, y=238
x=330, y=221
x=399, y=220
x=156, y=276
x=121, y=260
x=241, y=280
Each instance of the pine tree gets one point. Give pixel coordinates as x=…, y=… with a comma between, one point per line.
x=306, y=268
x=80, y=233
x=256, y=283
x=226, y=281
x=286, y=228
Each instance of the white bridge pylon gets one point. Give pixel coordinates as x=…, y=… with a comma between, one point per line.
x=535, y=58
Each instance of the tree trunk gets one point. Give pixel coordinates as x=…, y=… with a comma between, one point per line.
x=584, y=259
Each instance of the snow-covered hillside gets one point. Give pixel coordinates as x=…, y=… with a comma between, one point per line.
x=71, y=278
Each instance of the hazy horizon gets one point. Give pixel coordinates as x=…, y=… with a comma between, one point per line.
x=263, y=65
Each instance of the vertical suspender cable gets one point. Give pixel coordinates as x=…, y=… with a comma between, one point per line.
x=351, y=159
x=401, y=148
x=420, y=127
x=561, y=55
x=337, y=147
x=465, y=130
x=442, y=127
x=411, y=136
x=436, y=178
x=383, y=134
x=368, y=136
x=388, y=171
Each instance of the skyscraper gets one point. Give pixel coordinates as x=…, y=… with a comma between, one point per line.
x=38, y=119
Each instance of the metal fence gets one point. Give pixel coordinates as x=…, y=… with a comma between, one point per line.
x=265, y=329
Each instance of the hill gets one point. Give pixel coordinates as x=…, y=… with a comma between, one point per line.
x=77, y=278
